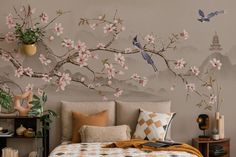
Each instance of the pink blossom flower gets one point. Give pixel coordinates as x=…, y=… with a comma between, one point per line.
x=29, y=87
x=63, y=81
x=82, y=60
x=19, y=72
x=184, y=34
x=110, y=71
x=32, y=10
x=68, y=43
x=180, y=64
x=58, y=29
x=213, y=99
x=190, y=87
x=93, y=26
x=120, y=59
x=216, y=63
x=81, y=46
x=10, y=37
x=118, y=92
x=100, y=17
x=120, y=72
x=104, y=98
x=109, y=82
x=123, y=28
x=135, y=77
x=29, y=71
x=94, y=56
x=91, y=86
x=10, y=22
x=100, y=46
x=195, y=70
x=5, y=87
x=128, y=50
x=46, y=78
x=143, y=81
x=40, y=92
x=6, y=57
x=44, y=17
x=172, y=88
x=51, y=38
x=150, y=38
x=44, y=60
x=82, y=79
x=108, y=28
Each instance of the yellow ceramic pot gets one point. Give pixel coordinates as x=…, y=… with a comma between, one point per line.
x=29, y=49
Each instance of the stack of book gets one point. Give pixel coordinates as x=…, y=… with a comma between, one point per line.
x=10, y=152
x=6, y=133
x=217, y=150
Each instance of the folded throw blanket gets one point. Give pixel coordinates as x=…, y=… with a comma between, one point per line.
x=136, y=143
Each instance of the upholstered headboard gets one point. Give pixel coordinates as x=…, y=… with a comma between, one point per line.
x=128, y=112
x=120, y=113
x=83, y=107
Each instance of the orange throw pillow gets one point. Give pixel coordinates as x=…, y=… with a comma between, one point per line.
x=79, y=119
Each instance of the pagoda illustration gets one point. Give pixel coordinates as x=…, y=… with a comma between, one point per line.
x=215, y=46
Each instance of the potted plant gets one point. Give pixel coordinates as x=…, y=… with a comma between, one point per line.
x=28, y=29
x=28, y=37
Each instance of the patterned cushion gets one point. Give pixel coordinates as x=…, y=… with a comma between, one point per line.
x=152, y=125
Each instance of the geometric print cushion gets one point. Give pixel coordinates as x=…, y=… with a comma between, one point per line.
x=152, y=126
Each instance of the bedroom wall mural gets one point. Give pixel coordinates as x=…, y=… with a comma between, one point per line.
x=209, y=50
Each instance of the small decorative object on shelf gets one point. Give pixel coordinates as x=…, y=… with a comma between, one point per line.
x=203, y=124
x=215, y=134
x=36, y=130
x=213, y=148
x=23, y=110
x=10, y=152
x=20, y=130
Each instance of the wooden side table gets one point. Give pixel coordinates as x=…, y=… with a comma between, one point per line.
x=204, y=146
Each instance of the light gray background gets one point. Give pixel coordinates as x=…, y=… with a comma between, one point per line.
x=160, y=17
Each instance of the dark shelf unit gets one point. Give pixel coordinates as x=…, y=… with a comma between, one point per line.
x=29, y=122
x=204, y=146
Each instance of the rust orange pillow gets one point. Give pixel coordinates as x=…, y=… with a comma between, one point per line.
x=80, y=119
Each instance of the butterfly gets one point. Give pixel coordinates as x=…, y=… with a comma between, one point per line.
x=207, y=18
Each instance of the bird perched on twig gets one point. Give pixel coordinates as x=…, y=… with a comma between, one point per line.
x=145, y=55
x=207, y=18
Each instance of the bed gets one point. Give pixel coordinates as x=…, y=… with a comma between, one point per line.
x=119, y=113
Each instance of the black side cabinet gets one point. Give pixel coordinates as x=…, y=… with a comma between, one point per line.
x=29, y=122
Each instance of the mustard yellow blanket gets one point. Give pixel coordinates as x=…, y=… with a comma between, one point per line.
x=136, y=143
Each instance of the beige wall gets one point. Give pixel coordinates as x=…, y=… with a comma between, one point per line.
x=143, y=17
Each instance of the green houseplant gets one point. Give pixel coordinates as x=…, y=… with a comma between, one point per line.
x=28, y=28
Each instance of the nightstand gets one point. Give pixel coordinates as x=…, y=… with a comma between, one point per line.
x=208, y=147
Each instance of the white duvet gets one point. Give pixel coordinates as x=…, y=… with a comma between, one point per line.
x=96, y=150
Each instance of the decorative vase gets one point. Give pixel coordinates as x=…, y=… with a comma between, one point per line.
x=217, y=120
x=29, y=49
x=221, y=127
x=216, y=137
x=29, y=132
x=20, y=130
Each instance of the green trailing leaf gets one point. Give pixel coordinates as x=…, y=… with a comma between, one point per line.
x=5, y=99
x=44, y=97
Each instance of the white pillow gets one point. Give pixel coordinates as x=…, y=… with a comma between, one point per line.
x=91, y=134
x=152, y=125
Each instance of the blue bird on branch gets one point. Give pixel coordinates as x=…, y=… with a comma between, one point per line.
x=145, y=55
x=207, y=18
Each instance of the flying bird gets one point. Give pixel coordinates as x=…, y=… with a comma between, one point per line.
x=145, y=55
x=207, y=18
